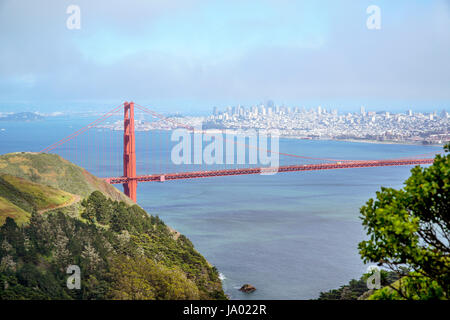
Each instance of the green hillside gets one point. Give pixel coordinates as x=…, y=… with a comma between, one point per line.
x=29, y=196
x=122, y=251
x=9, y=209
x=54, y=171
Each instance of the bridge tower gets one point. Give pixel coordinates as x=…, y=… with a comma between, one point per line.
x=129, y=152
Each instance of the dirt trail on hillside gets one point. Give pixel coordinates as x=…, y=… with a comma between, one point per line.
x=76, y=198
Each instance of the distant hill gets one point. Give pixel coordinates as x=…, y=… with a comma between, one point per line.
x=54, y=214
x=22, y=116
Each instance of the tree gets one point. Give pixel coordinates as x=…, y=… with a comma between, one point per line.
x=141, y=278
x=410, y=227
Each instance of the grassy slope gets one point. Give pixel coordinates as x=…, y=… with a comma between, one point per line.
x=52, y=170
x=8, y=209
x=45, y=197
x=21, y=197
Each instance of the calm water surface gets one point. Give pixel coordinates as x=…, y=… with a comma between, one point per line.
x=290, y=235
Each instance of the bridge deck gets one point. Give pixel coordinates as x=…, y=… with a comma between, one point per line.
x=292, y=168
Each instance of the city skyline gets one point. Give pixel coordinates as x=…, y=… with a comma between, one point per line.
x=315, y=123
x=68, y=108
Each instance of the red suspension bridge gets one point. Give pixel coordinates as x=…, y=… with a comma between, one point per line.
x=162, y=169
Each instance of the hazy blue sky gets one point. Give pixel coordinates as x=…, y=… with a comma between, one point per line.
x=190, y=55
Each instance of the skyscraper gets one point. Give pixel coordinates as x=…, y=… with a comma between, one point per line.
x=263, y=110
x=363, y=111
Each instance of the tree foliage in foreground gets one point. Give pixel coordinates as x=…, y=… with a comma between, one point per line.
x=143, y=279
x=410, y=227
x=357, y=289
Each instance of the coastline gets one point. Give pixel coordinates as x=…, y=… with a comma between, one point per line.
x=418, y=143
x=369, y=141
x=235, y=131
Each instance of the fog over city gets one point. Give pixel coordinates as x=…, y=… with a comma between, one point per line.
x=188, y=56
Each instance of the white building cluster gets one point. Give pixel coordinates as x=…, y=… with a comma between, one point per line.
x=320, y=123
x=316, y=123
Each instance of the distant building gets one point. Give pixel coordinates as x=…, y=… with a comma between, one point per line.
x=362, y=110
x=255, y=111
x=263, y=110
x=277, y=109
x=241, y=110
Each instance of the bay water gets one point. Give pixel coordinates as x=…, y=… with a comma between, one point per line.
x=291, y=235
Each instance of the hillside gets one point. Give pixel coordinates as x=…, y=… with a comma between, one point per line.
x=54, y=171
x=9, y=209
x=122, y=251
x=20, y=197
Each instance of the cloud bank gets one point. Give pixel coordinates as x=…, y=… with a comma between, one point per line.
x=224, y=51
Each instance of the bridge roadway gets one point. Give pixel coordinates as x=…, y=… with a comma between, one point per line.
x=291, y=168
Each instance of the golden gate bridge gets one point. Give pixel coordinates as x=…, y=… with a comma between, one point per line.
x=130, y=179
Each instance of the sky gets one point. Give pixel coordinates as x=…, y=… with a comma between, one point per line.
x=191, y=55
